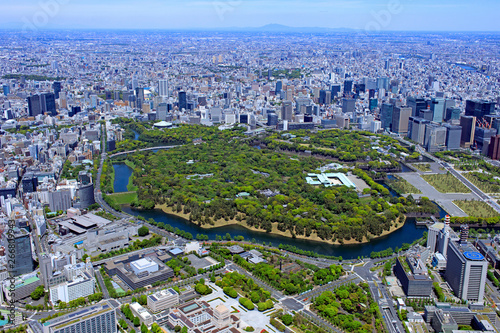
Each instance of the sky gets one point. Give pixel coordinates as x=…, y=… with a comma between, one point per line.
x=374, y=15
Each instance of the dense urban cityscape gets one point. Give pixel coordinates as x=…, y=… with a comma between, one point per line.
x=268, y=179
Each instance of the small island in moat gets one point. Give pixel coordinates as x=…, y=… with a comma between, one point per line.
x=270, y=183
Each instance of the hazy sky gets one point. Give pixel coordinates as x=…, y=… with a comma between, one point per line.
x=448, y=15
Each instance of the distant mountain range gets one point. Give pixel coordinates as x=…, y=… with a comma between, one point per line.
x=279, y=28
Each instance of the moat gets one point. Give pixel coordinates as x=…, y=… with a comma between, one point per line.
x=406, y=234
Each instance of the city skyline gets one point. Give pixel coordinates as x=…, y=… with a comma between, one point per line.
x=387, y=15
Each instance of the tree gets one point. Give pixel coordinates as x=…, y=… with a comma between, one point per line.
x=230, y=292
x=184, y=330
x=37, y=293
x=136, y=322
x=287, y=319
x=203, y=289
x=143, y=231
x=142, y=300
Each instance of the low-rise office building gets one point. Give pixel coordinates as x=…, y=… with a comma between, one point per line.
x=162, y=300
x=24, y=286
x=412, y=275
x=124, y=269
x=143, y=314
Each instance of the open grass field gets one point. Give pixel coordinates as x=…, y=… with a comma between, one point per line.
x=124, y=198
x=446, y=183
x=402, y=186
x=484, y=185
x=476, y=208
x=424, y=167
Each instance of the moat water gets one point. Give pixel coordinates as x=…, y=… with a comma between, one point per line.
x=407, y=234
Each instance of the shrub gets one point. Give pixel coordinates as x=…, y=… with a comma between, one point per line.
x=246, y=303
x=229, y=291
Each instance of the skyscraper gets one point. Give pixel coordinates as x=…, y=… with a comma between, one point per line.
x=494, y=148
x=347, y=86
x=468, y=124
x=437, y=108
x=373, y=103
x=466, y=271
x=48, y=103
x=272, y=119
x=287, y=111
x=452, y=113
x=417, y=129
x=182, y=100
x=416, y=105
x=386, y=112
x=400, y=119
x=57, y=88
x=163, y=88
x=435, y=137
x=453, y=136
x=34, y=105
x=482, y=138
x=383, y=83
x=161, y=111
x=335, y=90
x=45, y=269
x=24, y=261
x=135, y=83
x=139, y=94
x=348, y=105
x=279, y=87
x=479, y=108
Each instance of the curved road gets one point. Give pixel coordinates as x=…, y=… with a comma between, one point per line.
x=143, y=149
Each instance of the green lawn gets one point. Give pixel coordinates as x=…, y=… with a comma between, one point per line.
x=446, y=183
x=476, y=208
x=484, y=185
x=424, y=167
x=125, y=198
x=401, y=186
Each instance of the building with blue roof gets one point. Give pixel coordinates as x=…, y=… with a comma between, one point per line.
x=176, y=252
x=466, y=270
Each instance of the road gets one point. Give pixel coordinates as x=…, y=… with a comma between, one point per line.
x=143, y=149
x=486, y=198
x=475, y=190
x=445, y=200
x=104, y=290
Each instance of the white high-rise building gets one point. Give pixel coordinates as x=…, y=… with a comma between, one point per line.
x=163, y=88
x=81, y=286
